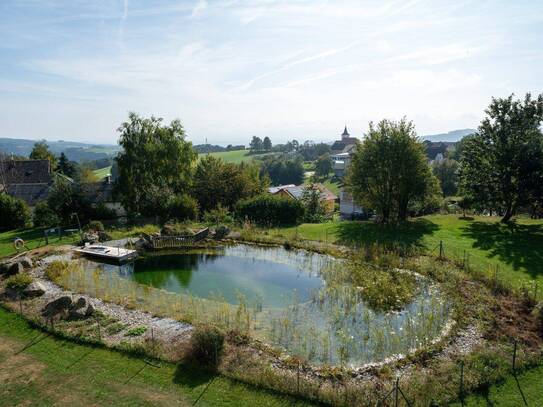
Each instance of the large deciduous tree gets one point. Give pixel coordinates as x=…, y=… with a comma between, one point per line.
x=155, y=162
x=41, y=151
x=389, y=170
x=267, y=144
x=219, y=183
x=501, y=164
x=323, y=166
x=446, y=172
x=283, y=171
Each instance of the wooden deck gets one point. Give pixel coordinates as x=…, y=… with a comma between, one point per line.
x=107, y=252
x=174, y=242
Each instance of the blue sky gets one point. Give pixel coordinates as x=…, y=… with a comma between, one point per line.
x=286, y=69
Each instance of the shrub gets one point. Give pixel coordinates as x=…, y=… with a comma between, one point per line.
x=218, y=215
x=176, y=229
x=270, y=210
x=137, y=331
x=18, y=282
x=96, y=226
x=182, y=207
x=44, y=216
x=14, y=212
x=101, y=211
x=207, y=345
x=115, y=328
x=221, y=232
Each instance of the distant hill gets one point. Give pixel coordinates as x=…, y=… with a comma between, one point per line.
x=451, y=136
x=75, y=151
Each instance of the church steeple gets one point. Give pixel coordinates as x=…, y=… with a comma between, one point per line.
x=345, y=133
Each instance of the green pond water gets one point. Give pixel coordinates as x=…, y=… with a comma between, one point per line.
x=289, y=302
x=225, y=274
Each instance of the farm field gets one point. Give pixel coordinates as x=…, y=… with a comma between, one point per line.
x=101, y=173
x=58, y=372
x=235, y=157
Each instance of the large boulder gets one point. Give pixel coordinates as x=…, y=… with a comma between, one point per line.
x=58, y=306
x=4, y=267
x=89, y=311
x=80, y=309
x=80, y=303
x=35, y=289
x=15, y=268
x=25, y=261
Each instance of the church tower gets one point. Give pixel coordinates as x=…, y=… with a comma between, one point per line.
x=345, y=134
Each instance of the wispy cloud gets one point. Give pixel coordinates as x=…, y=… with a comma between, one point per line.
x=233, y=68
x=315, y=57
x=122, y=22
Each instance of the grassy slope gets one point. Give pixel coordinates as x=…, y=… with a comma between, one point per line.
x=235, y=157
x=514, y=249
x=57, y=372
x=525, y=389
x=102, y=172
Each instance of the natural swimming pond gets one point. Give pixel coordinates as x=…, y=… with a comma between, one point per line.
x=281, y=296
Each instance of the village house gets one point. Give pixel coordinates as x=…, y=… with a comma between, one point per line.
x=29, y=180
x=296, y=192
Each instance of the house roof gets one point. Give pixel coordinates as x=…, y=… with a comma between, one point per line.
x=26, y=171
x=274, y=190
x=30, y=193
x=98, y=192
x=296, y=191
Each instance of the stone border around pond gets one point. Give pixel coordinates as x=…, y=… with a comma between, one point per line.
x=163, y=326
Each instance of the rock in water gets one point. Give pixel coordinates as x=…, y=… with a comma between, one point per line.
x=57, y=306
x=35, y=289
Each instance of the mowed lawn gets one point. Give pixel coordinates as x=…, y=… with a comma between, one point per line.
x=33, y=238
x=61, y=373
x=513, y=250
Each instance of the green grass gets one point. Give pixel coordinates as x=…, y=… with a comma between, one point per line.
x=524, y=389
x=514, y=250
x=33, y=238
x=236, y=156
x=334, y=187
x=101, y=173
x=59, y=372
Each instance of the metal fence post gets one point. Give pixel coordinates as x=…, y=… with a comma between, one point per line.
x=461, y=380
x=99, y=330
x=441, y=251
x=396, y=392
x=298, y=378
x=514, y=355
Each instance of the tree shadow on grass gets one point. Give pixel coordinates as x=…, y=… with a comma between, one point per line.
x=192, y=374
x=406, y=235
x=517, y=245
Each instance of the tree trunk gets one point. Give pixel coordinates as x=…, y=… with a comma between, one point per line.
x=507, y=215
